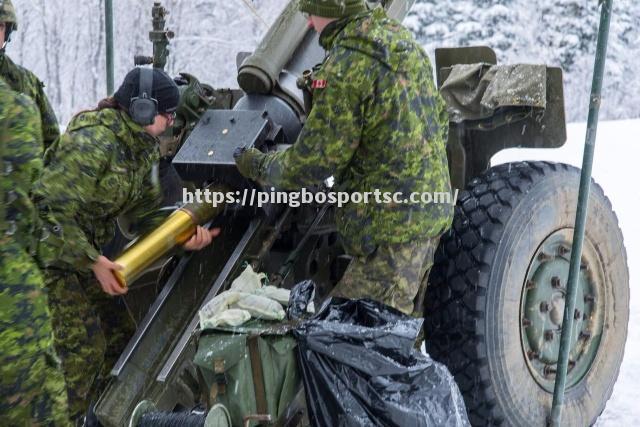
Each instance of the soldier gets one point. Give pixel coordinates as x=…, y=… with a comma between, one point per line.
x=22, y=80
x=31, y=385
x=377, y=123
x=102, y=167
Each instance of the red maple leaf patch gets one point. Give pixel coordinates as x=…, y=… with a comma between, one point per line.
x=318, y=84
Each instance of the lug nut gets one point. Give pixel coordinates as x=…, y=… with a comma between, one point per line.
x=555, y=282
x=531, y=355
x=548, y=371
x=544, y=306
x=542, y=257
x=526, y=322
x=585, y=335
x=589, y=298
x=529, y=284
x=584, y=266
x=577, y=315
x=548, y=335
x=562, y=250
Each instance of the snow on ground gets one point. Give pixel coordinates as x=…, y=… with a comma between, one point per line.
x=616, y=169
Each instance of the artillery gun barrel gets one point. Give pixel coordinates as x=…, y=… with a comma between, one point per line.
x=175, y=230
x=260, y=71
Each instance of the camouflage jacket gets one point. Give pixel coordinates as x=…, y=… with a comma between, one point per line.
x=102, y=167
x=24, y=81
x=20, y=166
x=377, y=123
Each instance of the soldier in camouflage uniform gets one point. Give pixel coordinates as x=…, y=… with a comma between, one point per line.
x=102, y=167
x=22, y=80
x=31, y=385
x=377, y=122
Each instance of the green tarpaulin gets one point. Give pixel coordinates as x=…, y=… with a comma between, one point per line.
x=476, y=91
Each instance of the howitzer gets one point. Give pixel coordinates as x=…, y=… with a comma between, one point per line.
x=492, y=273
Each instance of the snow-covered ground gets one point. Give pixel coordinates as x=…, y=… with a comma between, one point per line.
x=616, y=170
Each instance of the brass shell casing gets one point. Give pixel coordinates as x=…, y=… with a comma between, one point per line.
x=176, y=230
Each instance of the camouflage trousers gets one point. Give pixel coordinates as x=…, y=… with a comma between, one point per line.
x=395, y=275
x=31, y=384
x=91, y=328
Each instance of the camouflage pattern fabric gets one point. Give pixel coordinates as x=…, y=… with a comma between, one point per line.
x=332, y=8
x=22, y=164
x=102, y=167
x=31, y=386
x=91, y=329
x=8, y=13
x=377, y=122
x=24, y=81
x=393, y=275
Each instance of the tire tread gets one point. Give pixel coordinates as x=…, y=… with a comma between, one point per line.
x=456, y=295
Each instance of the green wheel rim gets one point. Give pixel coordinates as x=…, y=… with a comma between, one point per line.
x=542, y=310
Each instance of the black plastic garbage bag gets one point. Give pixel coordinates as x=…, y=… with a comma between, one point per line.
x=359, y=367
x=300, y=297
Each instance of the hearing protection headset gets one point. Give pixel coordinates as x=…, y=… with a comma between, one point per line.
x=143, y=108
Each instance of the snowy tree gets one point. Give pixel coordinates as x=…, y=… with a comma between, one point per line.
x=623, y=62
x=555, y=32
x=63, y=42
x=466, y=23
x=567, y=30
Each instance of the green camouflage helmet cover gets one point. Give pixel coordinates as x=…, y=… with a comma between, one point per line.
x=8, y=13
x=331, y=8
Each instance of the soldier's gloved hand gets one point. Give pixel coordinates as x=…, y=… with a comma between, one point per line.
x=248, y=161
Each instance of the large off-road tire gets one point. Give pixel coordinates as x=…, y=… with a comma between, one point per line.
x=496, y=296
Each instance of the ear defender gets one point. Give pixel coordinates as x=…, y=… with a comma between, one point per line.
x=143, y=108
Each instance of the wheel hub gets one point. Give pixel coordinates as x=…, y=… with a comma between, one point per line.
x=542, y=310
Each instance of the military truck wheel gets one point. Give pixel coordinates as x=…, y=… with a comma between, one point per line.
x=496, y=296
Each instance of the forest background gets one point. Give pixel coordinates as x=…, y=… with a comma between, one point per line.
x=62, y=41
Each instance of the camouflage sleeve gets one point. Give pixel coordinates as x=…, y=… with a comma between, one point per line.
x=50, y=128
x=21, y=141
x=145, y=211
x=68, y=182
x=328, y=139
x=441, y=106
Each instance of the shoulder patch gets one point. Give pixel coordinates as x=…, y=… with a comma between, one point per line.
x=318, y=84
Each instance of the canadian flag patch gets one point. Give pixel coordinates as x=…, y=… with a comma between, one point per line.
x=318, y=84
